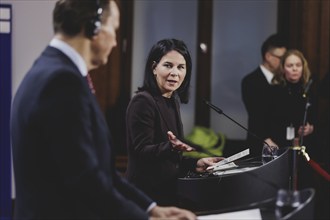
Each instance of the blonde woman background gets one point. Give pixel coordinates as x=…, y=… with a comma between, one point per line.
x=291, y=98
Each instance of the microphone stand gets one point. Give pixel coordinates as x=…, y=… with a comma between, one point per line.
x=218, y=110
x=300, y=145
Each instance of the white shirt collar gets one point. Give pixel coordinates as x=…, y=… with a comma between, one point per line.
x=269, y=75
x=71, y=53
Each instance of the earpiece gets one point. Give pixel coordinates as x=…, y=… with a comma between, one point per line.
x=93, y=27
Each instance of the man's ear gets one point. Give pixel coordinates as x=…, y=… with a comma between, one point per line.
x=267, y=56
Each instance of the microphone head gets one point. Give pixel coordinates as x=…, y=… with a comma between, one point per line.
x=213, y=107
x=308, y=85
x=206, y=102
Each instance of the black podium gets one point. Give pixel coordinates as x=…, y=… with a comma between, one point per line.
x=238, y=189
x=305, y=211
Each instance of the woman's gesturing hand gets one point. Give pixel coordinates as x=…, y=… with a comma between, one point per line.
x=177, y=144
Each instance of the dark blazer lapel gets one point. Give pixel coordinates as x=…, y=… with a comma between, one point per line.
x=161, y=106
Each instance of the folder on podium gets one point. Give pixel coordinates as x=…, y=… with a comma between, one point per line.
x=244, y=186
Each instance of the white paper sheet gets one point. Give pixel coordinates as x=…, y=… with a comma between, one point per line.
x=245, y=214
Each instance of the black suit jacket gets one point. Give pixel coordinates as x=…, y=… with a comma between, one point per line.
x=153, y=164
x=256, y=95
x=62, y=149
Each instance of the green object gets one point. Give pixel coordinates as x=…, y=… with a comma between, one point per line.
x=211, y=143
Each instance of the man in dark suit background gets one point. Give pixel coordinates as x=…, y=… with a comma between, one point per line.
x=255, y=92
x=63, y=164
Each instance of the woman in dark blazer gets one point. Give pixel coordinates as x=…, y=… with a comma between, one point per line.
x=154, y=126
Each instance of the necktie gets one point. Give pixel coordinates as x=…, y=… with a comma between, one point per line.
x=90, y=83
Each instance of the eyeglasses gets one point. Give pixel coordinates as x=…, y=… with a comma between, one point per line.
x=274, y=55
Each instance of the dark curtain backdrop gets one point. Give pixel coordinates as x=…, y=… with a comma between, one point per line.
x=305, y=23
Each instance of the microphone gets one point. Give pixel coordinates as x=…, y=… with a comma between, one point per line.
x=307, y=87
x=215, y=108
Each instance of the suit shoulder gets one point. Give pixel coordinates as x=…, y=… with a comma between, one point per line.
x=143, y=95
x=141, y=103
x=254, y=76
x=142, y=99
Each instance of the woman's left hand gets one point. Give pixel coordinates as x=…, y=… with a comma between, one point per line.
x=204, y=163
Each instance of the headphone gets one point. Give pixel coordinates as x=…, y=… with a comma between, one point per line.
x=94, y=25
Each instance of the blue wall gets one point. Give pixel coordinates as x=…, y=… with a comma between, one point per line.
x=239, y=29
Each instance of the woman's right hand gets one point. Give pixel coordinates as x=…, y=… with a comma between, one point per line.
x=177, y=144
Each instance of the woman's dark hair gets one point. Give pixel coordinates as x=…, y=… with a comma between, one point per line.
x=72, y=16
x=160, y=49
